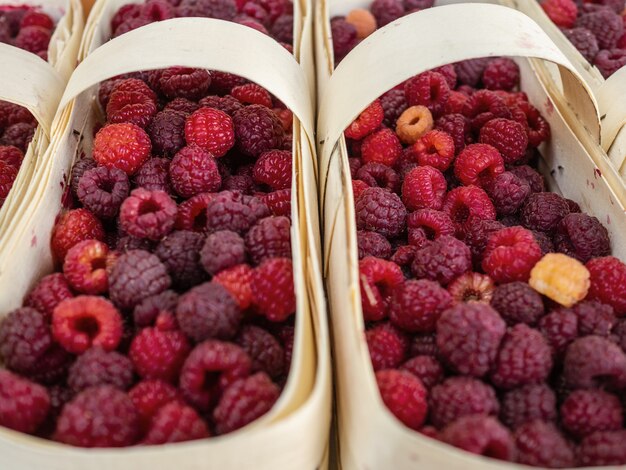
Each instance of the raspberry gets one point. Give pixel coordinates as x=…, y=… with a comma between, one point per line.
x=175, y=422
x=373, y=244
x=18, y=135
x=269, y=238
x=417, y=305
x=603, y=448
x=510, y=255
x=257, y=130
x=507, y=136
x=24, y=339
x=534, y=179
x=223, y=82
x=167, y=132
x=469, y=72
x=610, y=61
x=148, y=214
x=344, y=36
x=149, y=396
x=158, y=10
x=584, y=41
x=382, y=146
x=74, y=226
x=367, y=122
x=501, y=74
x=192, y=213
x=23, y=404
x=594, y=318
x=282, y=29
x=245, y=401
x=456, y=102
x=592, y=361
x=528, y=403
x=273, y=289
x=424, y=345
x=208, y=311
x=428, y=224
x=85, y=267
x=424, y=187
x=404, y=395
x=211, y=130
x=33, y=39
x=227, y=103
x=222, y=250
x=563, y=13
x=47, y=294
x=608, y=282
x=136, y=276
x=560, y=327
x=387, y=346
x=393, y=104
x=210, y=368
x=379, y=175
x=381, y=211
x=619, y=333
x=100, y=367
x=541, y=444
x=477, y=163
x=428, y=89
x=582, y=237
x=154, y=175
x=237, y=281
x=180, y=253
x=273, y=168
x=235, y=212
x=131, y=100
x=264, y=349
x=508, y=192
x=182, y=82
x=102, y=190
x=561, y=278
x=98, y=417
x=538, y=127
x=386, y=11
x=606, y=26
x=436, y=149
x=466, y=202
x=193, y=171
x=426, y=368
x=358, y=187
x=149, y=309
x=483, y=106
x=442, y=260
x=11, y=156
x=363, y=21
x=78, y=170
x=476, y=232
x=159, y=353
x=378, y=279
x=517, y=302
x=475, y=321
x=8, y=174
x=482, y=435
x=242, y=183
x=219, y=9
x=251, y=93
x=587, y=411
x=124, y=146
x=36, y=18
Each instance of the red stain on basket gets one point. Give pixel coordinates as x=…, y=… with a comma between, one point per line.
x=597, y=173
x=33, y=241
x=608, y=219
x=526, y=41
x=548, y=107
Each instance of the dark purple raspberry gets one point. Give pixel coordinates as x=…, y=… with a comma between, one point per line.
x=102, y=190
x=527, y=403
x=610, y=61
x=469, y=72
x=229, y=104
x=234, y=211
x=619, y=333
x=587, y=411
x=218, y=9
x=257, y=130
x=154, y=175
x=386, y=11
x=180, y=253
x=23, y=404
x=517, y=302
x=355, y=164
x=269, y=238
x=461, y=396
x=182, y=105
x=534, y=179
x=544, y=211
x=50, y=292
x=584, y=41
x=78, y=170
x=282, y=29
x=606, y=25
x=476, y=233
x=458, y=127
x=223, y=82
x=416, y=305
x=442, y=260
x=24, y=339
x=100, y=367
x=242, y=183
x=543, y=240
x=507, y=192
x=603, y=448
x=124, y=243
x=404, y=257
x=594, y=318
x=482, y=435
x=18, y=135
x=382, y=211
x=373, y=244
x=98, y=417
x=167, y=132
x=394, y=104
x=208, y=311
x=469, y=336
x=137, y=274
x=501, y=74
x=379, y=175
x=426, y=368
x=344, y=37
x=264, y=349
x=582, y=237
x=148, y=310
x=424, y=345
x=183, y=82
x=560, y=328
x=541, y=444
x=52, y=366
x=593, y=361
x=222, y=250
x=387, y=346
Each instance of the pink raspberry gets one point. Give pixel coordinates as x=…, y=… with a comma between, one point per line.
x=149, y=396
x=265, y=351
x=608, y=282
x=100, y=367
x=273, y=168
x=180, y=253
x=416, y=306
x=424, y=187
x=378, y=279
x=584, y=41
x=404, y=395
x=257, y=130
x=428, y=89
x=593, y=361
x=272, y=289
x=175, y=422
x=442, y=260
x=48, y=293
x=560, y=327
x=269, y=238
x=382, y=146
x=23, y=404
x=610, y=61
x=606, y=26
x=483, y=106
x=587, y=411
x=25, y=337
x=193, y=171
x=387, y=346
x=540, y=444
x=148, y=214
x=222, y=250
x=482, y=435
x=461, y=396
x=517, y=302
x=426, y=368
x=468, y=201
x=381, y=211
x=510, y=255
x=603, y=448
x=501, y=74
x=594, y=318
x=528, y=403
x=234, y=211
x=373, y=244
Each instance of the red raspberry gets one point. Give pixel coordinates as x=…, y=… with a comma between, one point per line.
x=468, y=201
x=382, y=146
x=37, y=18
x=468, y=336
x=387, y=346
x=541, y=444
x=528, y=403
x=257, y=130
x=517, y=302
x=237, y=281
x=158, y=10
x=477, y=163
x=538, y=127
x=100, y=367
x=48, y=293
x=428, y=224
x=208, y=311
x=534, y=179
x=85, y=267
x=603, y=448
x=483, y=106
x=193, y=171
x=233, y=211
x=85, y=321
x=245, y=401
x=606, y=25
x=594, y=318
x=102, y=190
x=210, y=368
x=508, y=192
x=563, y=13
x=379, y=175
x=167, y=132
x=358, y=187
x=393, y=104
x=461, y=396
x=151, y=308
x=469, y=72
x=428, y=89
x=222, y=250
x=269, y=238
x=131, y=101
x=404, y=395
x=609, y=61
x=382, y=211
x=273, y=289
x=175, y=422
x=192, y=213
x=373, y=244
x=510, y=255
x=183, y=82
x=24, y=339
x=149, y=396
x=501, y=74
x=210, y=129
x=98, y=417
x=426, y=368
x=560, y=327
x=159, y=354
x=124, y=146
x=136, y=275
x=524, y=358
x=584, y=41
x=33, y=39
x=386, y=11
x=11, y=156
x=436, y=149
x=273, y=168
x=482, y=435
x=344, y=36
x=23, y=404
x=8, y=174
x=471, y=287
x=507, y=136
x=416, y=306
x=608, y=283
x=367, y=122
x=424, y=187
x=592, y=361
x=587, y=411
x=442, y=260
x=378, y=279
x=251, y=93
x=456, y=102
x=219, y=9
x=148, y=214
x=266, y=352
x=72, y=227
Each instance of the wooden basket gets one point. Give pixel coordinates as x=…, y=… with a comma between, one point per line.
x=369, y=435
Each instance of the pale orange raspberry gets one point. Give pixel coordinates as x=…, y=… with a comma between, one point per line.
x=363, y=21
x=561, y=278
x=413, y=123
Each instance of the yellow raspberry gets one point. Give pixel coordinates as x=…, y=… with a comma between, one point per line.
x=561, y=278
x=363, y=21
x=413, y=123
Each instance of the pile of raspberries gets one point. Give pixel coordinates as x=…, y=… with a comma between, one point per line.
x=29, y=29
x=171, y=315
x=597, y=28
x=495, y=315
